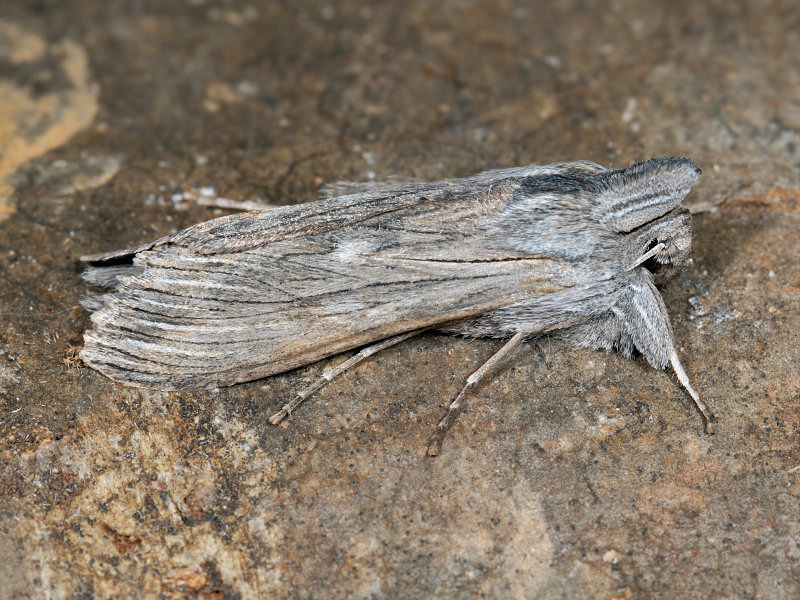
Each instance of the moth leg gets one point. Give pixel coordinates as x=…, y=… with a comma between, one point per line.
x=645, y=318
x=435, y=441
x=328, y=375
x=684, y=379
x=650, y=253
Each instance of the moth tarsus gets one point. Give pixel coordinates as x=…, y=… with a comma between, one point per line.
x=708, y=416
x=570, y=250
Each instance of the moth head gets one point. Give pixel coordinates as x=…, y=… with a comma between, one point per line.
x=661, y=246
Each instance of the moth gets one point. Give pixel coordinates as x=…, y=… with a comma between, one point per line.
x=572, y=250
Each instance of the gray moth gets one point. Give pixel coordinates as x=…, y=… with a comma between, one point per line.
x=572, y=250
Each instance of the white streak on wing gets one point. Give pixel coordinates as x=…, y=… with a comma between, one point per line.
x=205, y=283
x=348, y=251
x=200, y=259
x=152, y=302
x=351, y=306
x=161, y=348
x=640, y=307
x=207, y=327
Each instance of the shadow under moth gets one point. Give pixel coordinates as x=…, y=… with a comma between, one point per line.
x=572, y=250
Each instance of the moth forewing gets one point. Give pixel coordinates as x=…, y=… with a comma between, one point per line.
x=255, y=307
x=506, y=253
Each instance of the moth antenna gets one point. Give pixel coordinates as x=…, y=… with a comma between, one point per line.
x=652, y=252
x=207, y=197
x=684, y=379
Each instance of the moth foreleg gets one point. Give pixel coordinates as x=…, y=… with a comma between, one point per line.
x=709, y=417
x=328, y=375
x=435, y=441
x=644, y=316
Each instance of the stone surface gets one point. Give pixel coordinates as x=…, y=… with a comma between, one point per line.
x=573, y=473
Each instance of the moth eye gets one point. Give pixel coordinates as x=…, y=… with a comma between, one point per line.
x=667, y=253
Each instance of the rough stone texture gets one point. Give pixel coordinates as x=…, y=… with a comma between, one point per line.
x=573, y=473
